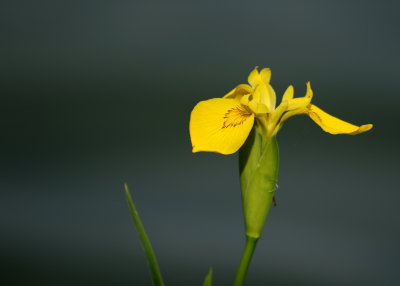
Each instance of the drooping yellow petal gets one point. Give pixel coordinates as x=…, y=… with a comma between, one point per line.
x=219, y=125
x=239, y=91
x=334, y=125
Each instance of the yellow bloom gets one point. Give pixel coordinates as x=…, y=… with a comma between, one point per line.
x=222, y=125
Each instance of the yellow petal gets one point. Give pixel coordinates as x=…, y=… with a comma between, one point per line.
x=287, y=115
x=277, y=114
x=239, y=91
x=219, y=125
x=257, y=107
x=293, y=106
x=298, y=103
x=272, y=97
x=283, y=107
x=245, y=99
x=334, y=125
x=289, y=93
x=257, y=93
x=260, y=83
x=309, y=93
x=265, y=96
x=254, y=77
x=265, y=75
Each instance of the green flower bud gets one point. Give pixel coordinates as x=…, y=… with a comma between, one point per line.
x=258, y=165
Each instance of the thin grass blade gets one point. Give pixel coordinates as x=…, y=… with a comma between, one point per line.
x=151, y=258
x=208, y=280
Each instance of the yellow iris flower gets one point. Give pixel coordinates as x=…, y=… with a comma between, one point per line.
x=222, y=125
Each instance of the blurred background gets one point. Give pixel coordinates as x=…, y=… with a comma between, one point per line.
x=97, y=93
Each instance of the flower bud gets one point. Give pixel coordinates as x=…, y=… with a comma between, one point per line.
x=258, y=165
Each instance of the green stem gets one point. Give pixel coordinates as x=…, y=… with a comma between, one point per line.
x=245, y=261
x=151, y=258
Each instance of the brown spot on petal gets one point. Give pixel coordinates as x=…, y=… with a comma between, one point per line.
x=235, y=116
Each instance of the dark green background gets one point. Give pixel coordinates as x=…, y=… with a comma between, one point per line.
x=95, y=94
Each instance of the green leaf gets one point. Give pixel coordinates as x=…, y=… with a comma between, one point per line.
x=151, y=258
x=208, y=280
